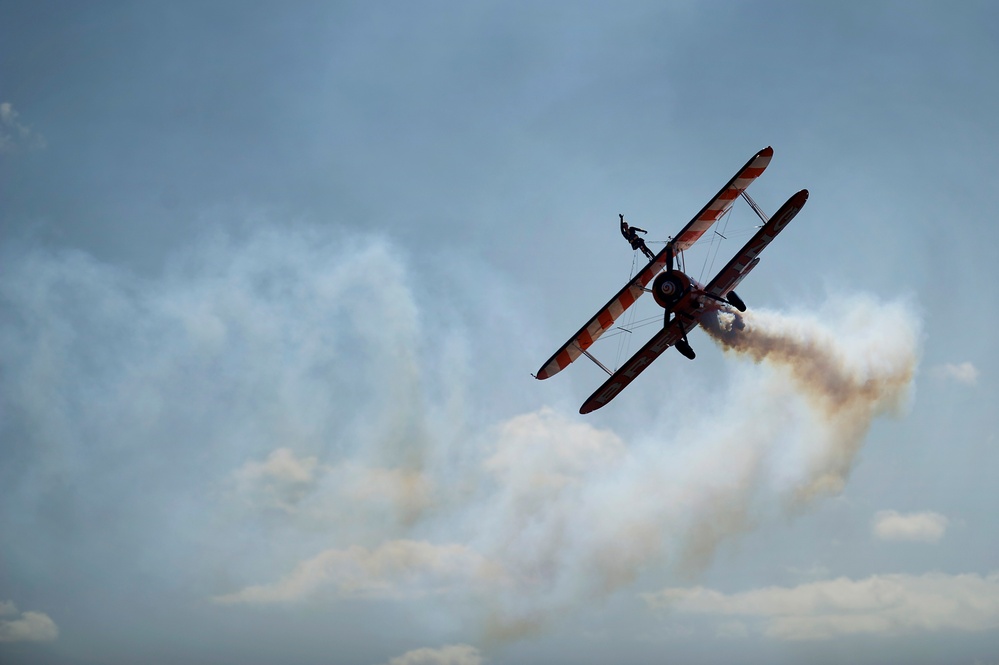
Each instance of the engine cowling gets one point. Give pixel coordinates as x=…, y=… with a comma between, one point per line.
x=669, y=287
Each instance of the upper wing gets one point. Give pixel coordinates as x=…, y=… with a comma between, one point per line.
x=720, y=204
x=604, y=319
x=748, y=256
x=626, y=297
x=665, y=338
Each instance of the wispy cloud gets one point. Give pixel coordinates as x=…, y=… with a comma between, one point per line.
x=965, y=372
x=28, y=626
x=280, y=481
x=14, y=134
x=397, y=570
x=452, y=654
x=879, y=605
x=925, y=526
x=302, y=488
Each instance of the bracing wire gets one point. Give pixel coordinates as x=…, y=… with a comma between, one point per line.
x=707, y=255
x=641, y=323
x=624, y=344
x=714, y=246
x=626, y=327
x=728, y=216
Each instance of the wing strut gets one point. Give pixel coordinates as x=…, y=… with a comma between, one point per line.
x=757, y=209
x=749, y=255
x=598, y=363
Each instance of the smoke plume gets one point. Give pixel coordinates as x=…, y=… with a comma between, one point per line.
x=298, y=432
x=553, y=514
x=851, y=367
x=577, y=513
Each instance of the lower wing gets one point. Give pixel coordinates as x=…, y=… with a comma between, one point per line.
x=681, y=324
x=603, y=320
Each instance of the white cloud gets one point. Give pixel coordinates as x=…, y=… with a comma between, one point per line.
x=280, y=481
x=302, y=486
x=15, y=134
x=397, y=569
x=965, y=372
x=27, y=626
x=877, y=605
x=926, y=526
x=452, y=654
x=544, y=451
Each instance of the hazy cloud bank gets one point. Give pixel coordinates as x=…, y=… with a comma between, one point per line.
x=877, y=605
x=925, y=526
x=452, y=654
x=16, y=626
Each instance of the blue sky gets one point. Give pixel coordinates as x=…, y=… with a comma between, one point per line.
x=273, y=278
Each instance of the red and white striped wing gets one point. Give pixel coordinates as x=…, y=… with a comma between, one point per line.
x=721, y=203
x=662, y=340
x=604, y=319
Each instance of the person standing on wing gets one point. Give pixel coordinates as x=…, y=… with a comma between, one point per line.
x=630, y=234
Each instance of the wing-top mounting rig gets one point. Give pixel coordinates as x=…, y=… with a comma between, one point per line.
x=683, y=298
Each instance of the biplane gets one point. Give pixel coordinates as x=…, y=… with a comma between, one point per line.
x=684, y=299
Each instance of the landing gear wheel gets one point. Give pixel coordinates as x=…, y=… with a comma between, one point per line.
x=684, y=348
x=735, y=301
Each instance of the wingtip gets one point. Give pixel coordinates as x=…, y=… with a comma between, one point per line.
x=767, y=152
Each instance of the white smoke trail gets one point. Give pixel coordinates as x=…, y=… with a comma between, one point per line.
x=856, y=364
x=577, y=514
x=565, y=513
x=367, y=462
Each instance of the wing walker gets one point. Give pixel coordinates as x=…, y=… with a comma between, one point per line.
x=683, y=299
